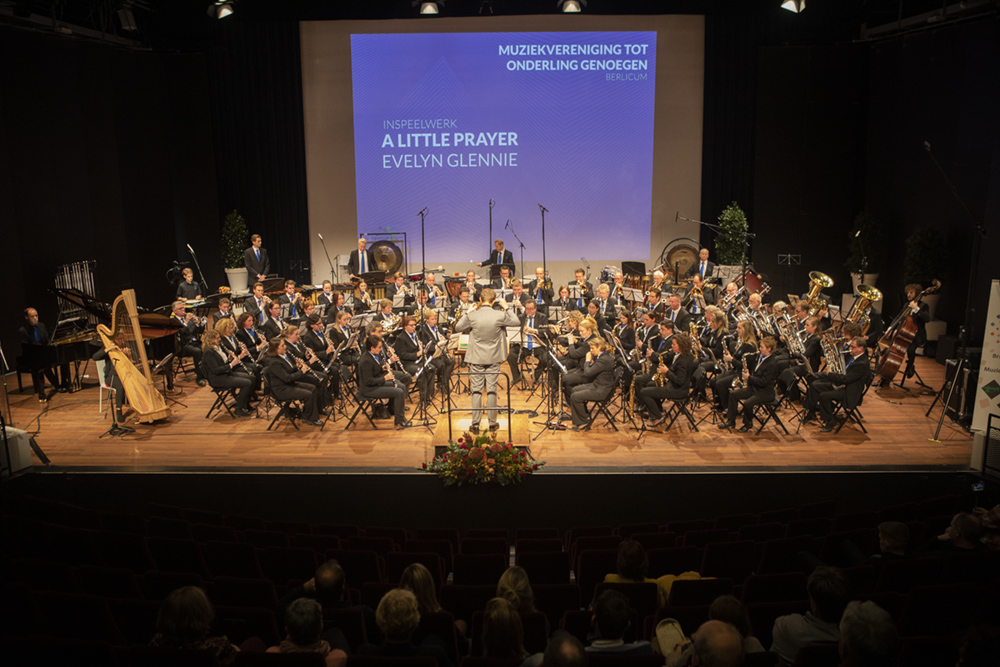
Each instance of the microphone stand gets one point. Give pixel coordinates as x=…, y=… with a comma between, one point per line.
x=203, y=283
x=545, y=265
x=492, y=204
x=520, y=243
x=422, y=283
x=333, y=272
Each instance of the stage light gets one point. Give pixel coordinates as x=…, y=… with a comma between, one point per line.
x=220, y=9
x=571, y=6
x=127, y=19
x=793, y=5
x=428, y=8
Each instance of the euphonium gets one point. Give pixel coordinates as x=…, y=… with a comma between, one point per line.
x=820, y=281
x=861, y=309
x=832, y=353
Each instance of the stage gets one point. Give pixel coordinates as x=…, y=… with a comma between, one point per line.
x=69, y=426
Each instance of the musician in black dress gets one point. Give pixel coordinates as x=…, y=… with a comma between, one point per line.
x=361, y=300
x=598, y=370
x=677, y=373
x=472, y=285
x=188, y=341
x=112, y=380
x=731, y=364
x=498, y=256
x=563, y=301
x=188, y=289
x=287, y=381
x=376, y=380
x=340, y=332
x=338, y=304
x=229, y=342
x=594, y=313
x=34, y=333
x=246, y=334
x=224, y=371
x=324, y=350
x=313, y=372
x=846, y=387
x=625, y=332
x=578, y=350
x=255, y=260
x=759, y=377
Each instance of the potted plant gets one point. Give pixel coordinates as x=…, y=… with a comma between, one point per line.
x=867, y=242
x=924, y=260
x=234, y=242
x=731, y=244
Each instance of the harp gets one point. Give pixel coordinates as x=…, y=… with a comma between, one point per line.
x=124, y=344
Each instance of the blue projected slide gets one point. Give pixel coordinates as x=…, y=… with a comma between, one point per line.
x=451, y=121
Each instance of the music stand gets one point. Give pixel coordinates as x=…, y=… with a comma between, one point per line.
x=373, y=277
x=634, y=269
x=161, y=369
x=552, y=422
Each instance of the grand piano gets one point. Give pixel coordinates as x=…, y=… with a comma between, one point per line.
x=74, y=339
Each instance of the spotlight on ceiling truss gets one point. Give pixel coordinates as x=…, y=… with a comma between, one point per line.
x=795, y=6
x=571, y=6
x=221, y=9
x=429, y=8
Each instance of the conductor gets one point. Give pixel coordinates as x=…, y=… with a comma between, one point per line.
x=486, y=351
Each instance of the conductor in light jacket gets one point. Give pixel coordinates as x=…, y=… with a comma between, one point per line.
x=486, y=351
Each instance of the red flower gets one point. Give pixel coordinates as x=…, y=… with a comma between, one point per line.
x=534, y=467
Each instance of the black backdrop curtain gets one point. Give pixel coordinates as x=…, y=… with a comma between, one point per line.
x=259, y=139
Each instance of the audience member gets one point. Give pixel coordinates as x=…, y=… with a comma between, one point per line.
x=728, y=609
x=633, y=568
x=503, y=634
x=418, y=579
x=961, y=537
x=184, y=621
x=868, y=636
x=304, y=628
x=829, y=592
x=398, y=616
x=979, y=647
x=714, y=644
x=610, y=622
x=328, y=587
x=563, y=650
x=516, y=589
x=989, y=519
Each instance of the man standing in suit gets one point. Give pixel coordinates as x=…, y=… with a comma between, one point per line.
x=702, y=267
x=486, y=351
x=256, y=261
x=498, y=256
x=847, y=387
x=362, y=260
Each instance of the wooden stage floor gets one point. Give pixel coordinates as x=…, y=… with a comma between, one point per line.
x=899, y=438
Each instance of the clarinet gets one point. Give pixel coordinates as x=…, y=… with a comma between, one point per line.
x=333, y=357
x=392, y=353
x=247, y=366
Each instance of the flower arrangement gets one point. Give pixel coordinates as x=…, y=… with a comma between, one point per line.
x=481, y=459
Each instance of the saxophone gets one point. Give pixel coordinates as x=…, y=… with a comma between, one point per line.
x=738, y=382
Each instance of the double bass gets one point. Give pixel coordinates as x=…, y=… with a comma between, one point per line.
x=897, y=339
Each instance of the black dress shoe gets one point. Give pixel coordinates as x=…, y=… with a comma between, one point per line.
x=828, y=428
x=201, y=383
x=658, y=421
x=327, y=411
x=62, y=390
x=474, y=430
x=910, y=370
x=240, y=413
x=403, y=424
x=743, y=429
x=312, y=422
x=727, y=426
x=809, y=416
x=495, y=427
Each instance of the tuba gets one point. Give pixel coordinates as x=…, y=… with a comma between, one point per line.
x=860, y=311
x=820, y=281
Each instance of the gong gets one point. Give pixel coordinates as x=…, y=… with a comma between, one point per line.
x=388, y=256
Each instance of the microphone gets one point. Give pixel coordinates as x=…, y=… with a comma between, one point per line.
x=543, y=208
x=492, y=203
x=422, y=211
x=507, y=225
x=927, y=146
x=857, y=234
x=319, y=235
x=190, y=249
x=677, y=216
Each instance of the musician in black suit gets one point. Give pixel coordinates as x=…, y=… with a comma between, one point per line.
x=256, y=303
x=498, y=256
x=598, y=369
x=921, y=315
x=188, y=341
x=525, y=345
x=594, y=312
x=35, y=333
x=702, y=267
x=645, y=336
x=606, y=303
x=272, y=326
x=540, y=291
x=503, y=281
x=846, y=387
x=341, y=333
x=676, y=314
x=700, y=296
x=314, y=373
x=585, y=291
x=224, y=371
x=654, y=305
x=362, y=260
x=291, y=301
x=410, y=351
x=287, y=381
x=813, y=354
x=401, y=296
x=678, y=372
x=625, y=332
x=188, y=289
x=432, y=336
x=224, y=312
x=759, y=386
x=255, y=260
x=376, y=381
x=246, y=334
x=473, y=287
x=517, y=294
x=659, y=349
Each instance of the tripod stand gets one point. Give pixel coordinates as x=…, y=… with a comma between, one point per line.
x=552, y=422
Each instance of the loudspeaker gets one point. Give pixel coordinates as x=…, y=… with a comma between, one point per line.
x=960, y=405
